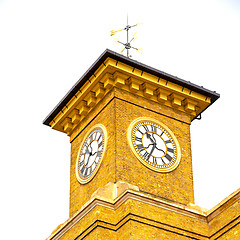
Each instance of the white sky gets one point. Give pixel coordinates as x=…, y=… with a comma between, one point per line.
x=46, y=46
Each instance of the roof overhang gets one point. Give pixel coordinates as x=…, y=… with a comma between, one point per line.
x=137, y=70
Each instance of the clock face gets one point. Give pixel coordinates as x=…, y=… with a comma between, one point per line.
x=91, y=153
x=154, y=145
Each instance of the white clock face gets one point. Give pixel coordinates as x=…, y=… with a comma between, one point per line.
x=90, y=155
x=154, y=145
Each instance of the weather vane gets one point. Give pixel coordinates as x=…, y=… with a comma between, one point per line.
x=127, y=45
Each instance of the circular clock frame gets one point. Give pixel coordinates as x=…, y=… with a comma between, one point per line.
x=168, y=155
x=94, y=153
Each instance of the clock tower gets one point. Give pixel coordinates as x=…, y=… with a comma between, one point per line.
x=131, y=165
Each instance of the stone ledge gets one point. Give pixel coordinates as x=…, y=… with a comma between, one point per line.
x=114, y=195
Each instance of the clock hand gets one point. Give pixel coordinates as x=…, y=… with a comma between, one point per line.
x=159, y=149
x=153, y=147
x=155, y=144
x=154, y=138
x=149, y=145
x=90, y=147
x=94, y=153
x=153, y=141
x=90, y=154
x=149, y=137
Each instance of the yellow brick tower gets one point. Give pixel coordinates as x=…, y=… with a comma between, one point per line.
x=131, y=165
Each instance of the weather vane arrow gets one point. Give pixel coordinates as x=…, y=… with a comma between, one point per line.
x=127, y=45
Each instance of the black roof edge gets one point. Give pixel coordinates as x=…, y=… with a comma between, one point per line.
x=109, y=53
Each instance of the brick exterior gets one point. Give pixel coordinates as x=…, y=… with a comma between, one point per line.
x=125, y=199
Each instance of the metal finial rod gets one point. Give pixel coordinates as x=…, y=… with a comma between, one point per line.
x=127, y=45
x=127, y=36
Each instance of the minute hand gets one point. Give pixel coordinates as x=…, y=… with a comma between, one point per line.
x=149, y=137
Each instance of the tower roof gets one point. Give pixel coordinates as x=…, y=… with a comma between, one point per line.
x=136, y=65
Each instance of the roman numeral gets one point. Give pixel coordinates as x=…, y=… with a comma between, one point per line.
x=79, y=166
x=154, y=160
x=139, y=131
x=82, y=170
x=146, y=155
x=168, y=141
x=163, y=161
x=154, y=129
x=99, y=137
x=86, y=171
x=140, y=147
x=99, y=153
x=169, y=158
x=170, y=150
x=146, y=128
x=87, y=151
x=94, y=165
x=91, y=137
x=100, y=144
x=138, y=139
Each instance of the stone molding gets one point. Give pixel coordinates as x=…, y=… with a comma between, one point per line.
x=114, y=195
x=116, y=74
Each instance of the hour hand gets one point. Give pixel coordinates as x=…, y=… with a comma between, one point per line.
x=153, y=147
x=87, y=151
x=152, y=140
x=159, y=149
x=94, y=153
x=86, y=163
